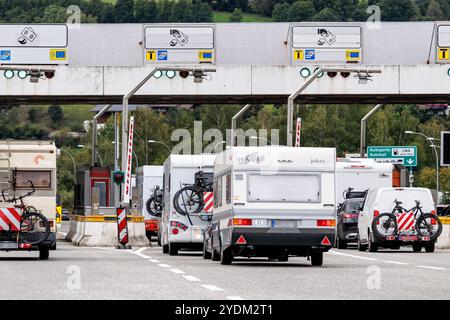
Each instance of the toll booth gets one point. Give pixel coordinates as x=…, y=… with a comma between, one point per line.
x=94, y=191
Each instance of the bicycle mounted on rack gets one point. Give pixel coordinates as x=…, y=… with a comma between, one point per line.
x=388, y=225
x=189, y=199
x=26, y=225
x=154, y=204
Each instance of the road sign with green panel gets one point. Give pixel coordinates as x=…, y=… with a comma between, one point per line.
x=404, y=155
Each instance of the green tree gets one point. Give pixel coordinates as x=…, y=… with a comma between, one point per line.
x=53, y=14
x=182, y=11
x=56, y=115
x=327, y=14
x=434, y=11
x=302, y=11
x=124, y=11
x=236, y=16
x=201, y=12
x=145, y=11
x=280, y=12
x=399, y=10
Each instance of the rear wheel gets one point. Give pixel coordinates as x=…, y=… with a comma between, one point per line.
x=206, y=254
x=429, y=247
x=317, y=258
x=417, y=247
x=372, y=245
x=44, y=253
x=173, y=249
x=341, y=244
x=225, y=256
x=361, y=247
x=165, y=248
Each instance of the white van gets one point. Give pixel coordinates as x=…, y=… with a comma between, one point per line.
x=360, y=175
x=273, y=202
x=28, y=168
x=147, y=178
x=383, y=200
x=178, y=230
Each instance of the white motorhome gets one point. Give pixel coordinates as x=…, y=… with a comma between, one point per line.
x=273, y=202
x=20, y=163
x=360, y=175
x=179, y=230
x=147, y=178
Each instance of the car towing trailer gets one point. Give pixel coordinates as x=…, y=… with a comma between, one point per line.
x=274, y=202
x=178, y=230
x=23, y=161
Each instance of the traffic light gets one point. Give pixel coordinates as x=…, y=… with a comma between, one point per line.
x=118, y=176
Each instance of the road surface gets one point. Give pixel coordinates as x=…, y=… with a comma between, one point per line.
x=145, y=273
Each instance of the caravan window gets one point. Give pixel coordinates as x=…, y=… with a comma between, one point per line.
x=40, y=179
x=284, y=188
x=215, y=193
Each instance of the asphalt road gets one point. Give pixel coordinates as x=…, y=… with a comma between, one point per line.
x=145, y=273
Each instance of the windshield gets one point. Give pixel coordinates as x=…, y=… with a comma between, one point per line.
x=284, y=188
x=353, y=205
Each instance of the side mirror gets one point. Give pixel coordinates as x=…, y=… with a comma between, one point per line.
x=358, y=207
x=156, y=187
x=206, y=217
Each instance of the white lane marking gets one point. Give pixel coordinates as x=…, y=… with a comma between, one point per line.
x=163, y=265
x=429, y=267
x=352, y=256
x=211, y=287
x=191, y=278
x=64, y=234
x=139, y=253
x=177, y=271
x=235, y=298
x=396, y=262
x=153, y=260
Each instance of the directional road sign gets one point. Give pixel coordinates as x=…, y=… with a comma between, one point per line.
x=404, y=155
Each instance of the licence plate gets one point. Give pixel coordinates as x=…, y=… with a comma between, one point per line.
x=408, y=238
x=284, y=223
x=9, y=245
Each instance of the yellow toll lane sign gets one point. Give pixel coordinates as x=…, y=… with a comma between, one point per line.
x=443, y=54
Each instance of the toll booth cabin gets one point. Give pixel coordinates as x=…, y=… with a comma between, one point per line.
x=94, y=191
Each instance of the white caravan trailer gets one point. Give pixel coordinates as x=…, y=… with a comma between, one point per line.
x=179, y=230
x=20, y=163
x=360, y=175
x=147, y=178
x=273, y=202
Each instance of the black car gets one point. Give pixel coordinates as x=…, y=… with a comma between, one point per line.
x=347, y=222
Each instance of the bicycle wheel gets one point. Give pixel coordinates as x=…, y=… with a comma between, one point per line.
x=429, y=225
x=34, y=228
x=188, y=200
x=384, y=225
x=153, y=207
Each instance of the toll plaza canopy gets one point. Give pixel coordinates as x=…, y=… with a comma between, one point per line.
x=254, y=62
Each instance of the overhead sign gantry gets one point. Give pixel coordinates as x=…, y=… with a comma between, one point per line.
x=42, y=44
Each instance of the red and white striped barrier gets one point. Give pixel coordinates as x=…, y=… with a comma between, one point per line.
x=122, y=225
x=298, y=131
x=208, y=202
x=127, y=189
x=9, y=219
x=405, y=221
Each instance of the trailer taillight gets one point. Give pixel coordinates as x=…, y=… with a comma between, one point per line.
x=326, y=223
x=242, y=222
x=376, y=213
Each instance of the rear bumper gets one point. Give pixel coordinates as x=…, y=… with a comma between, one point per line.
x=49, y=243
x=263, y=241
x=151, y=225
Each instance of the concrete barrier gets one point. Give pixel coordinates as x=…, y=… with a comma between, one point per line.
x=101, y=231
x=444, y=239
